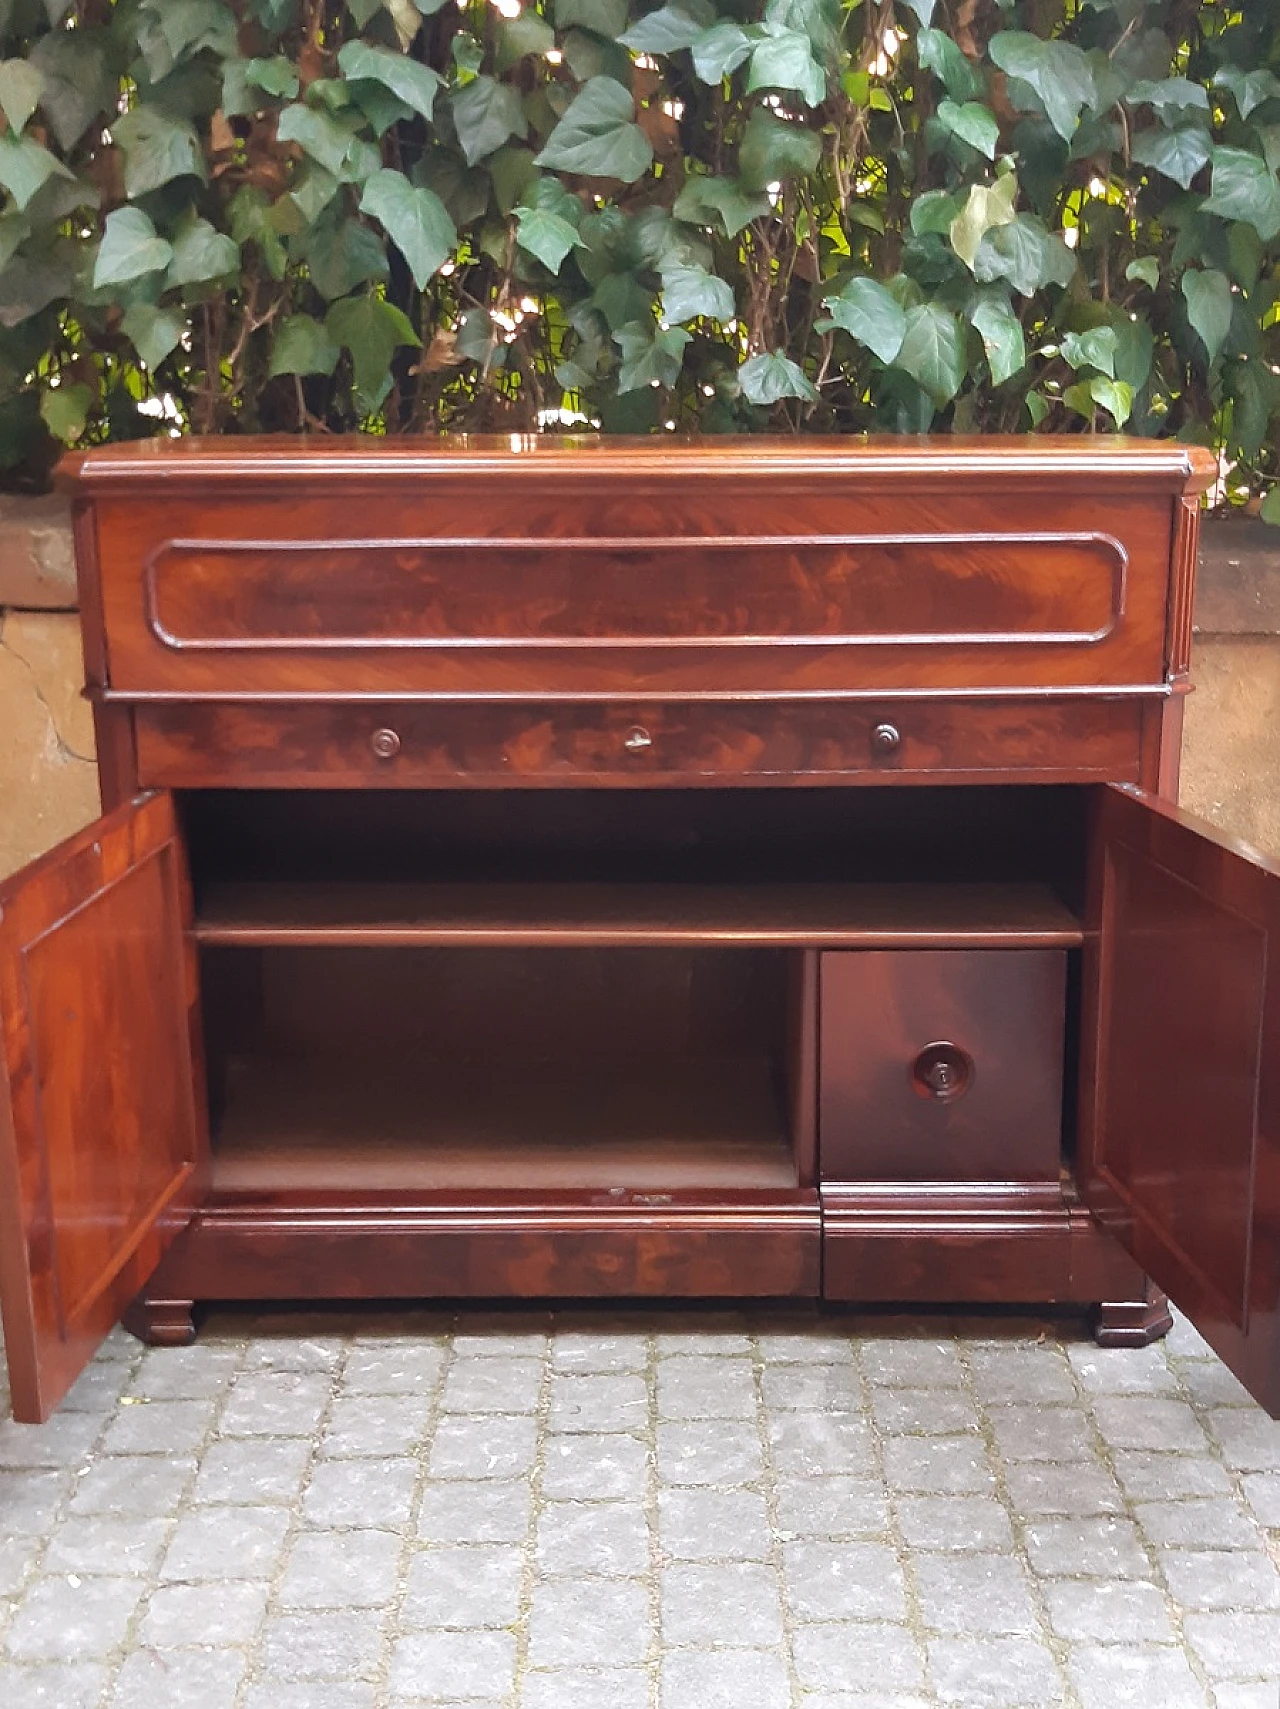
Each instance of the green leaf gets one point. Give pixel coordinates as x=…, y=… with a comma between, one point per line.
x=1113, y=396
x=769, y=378
x=201, y=254
x=521, y=36
x=514, y=176
x=155, y=333
x=972, y=123
x=1026, y=254
x=986, y=207
x=923, y=9
x=670, y=28
x=784, y=60
x=329, y=142
x=416, y=221
x=1146, y=268
x=1058, y=73
x=467, y=53
x=342, y=253
x=871, y=314
x=1270, y=511
x=1243, y=187
x=65, y=410
x=1177, y=154
x=939, y=54
x=719, y=51
x=412, y=82
x=79, y=84
x=704, y=201
x=485, y=114
x=1001, y=334
x=14, y=231
x=933, y=352
x=1250, y=88
x=302, y=346
x=1093, y=349
x=1168, y=95
x=548, y=226
x=372, y=330
x=21, y=86
x=276, y=76
x=935, y=210
x=601, y=17
x=130, y=249
x=598, y=136
x=688, y=292
x=25, y=167
x=1210, y=303
x=650, y=356
x=157, y=149
x=772, y=151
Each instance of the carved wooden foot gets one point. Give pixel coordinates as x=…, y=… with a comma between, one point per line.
x=161, y=1323
x=1132, y=1323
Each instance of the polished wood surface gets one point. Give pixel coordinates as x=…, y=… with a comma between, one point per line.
x=103, y=1149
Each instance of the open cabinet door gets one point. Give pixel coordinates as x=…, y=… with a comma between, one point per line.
x=103, y=1132
x=1180, y=1099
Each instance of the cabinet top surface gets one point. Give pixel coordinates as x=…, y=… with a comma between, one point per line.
x=262, y=460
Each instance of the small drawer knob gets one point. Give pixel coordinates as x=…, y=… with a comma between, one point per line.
x=385, y=744
x=942, y=1071
x=637, y=739
x=886, y=739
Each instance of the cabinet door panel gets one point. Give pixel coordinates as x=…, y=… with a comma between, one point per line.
x=103, y=1148
x=1180, y=1108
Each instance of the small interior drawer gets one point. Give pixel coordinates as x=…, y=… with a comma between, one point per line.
x=441, y=743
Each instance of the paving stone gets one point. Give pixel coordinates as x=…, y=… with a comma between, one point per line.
x=226, y=1543
x=950, y=1466
x=178, y=1615
x=954, y=1522
x=377, y=1493
x=275, y=1403
x=144, y=1486
x=843, y=1581
x=18, y=1556
x=582, y=1353
x=59, y=1621
x=334, y=1645
x=1206, y=1384
x=1221, y=1578
x=724, y=1679
x=806, y=1344
x=97, y=1389
x=1244, y=1697
x=703, y=1332
x=1108, y=1611
x=252, y=1471
x=394, y=1367
x=704, y=1605
x=709, y=1451
x=1165, y=1477
x=603, y=1401
x=68, y=1685
x=185, y=1373
x=906, y=1363
x=1184, y=1342
x=1122, y=1370
x=831, y=1507
x=1057, y=1433
x=159, y=1427
x=475, y=1513
x=1107, y=1678
x=64, y=1440
x=376, y=1427
x=1235, y=1645
x=1262, y=1492
x=482, y=1447
x=91, y=1543
x=813, y=1387
x=923, y=1412
x=180, y=1679
x=831, y=1657
x=593, y=1539
x=340, y=1569
x=1096, y=1548
x=294, y=1352
x=493, y=1384
x=693, y=1386
x=474, y=1586
x=819, y=1443
x=1213, y=1523
x=706, y=1524
x=989, y=1673
x=1250, y=1440
x=349, y=1694
x=1076, y=1491
x=586, y=1622
x=1132, y=1421
x=1022, y=1373
x=586, y=1688
x=29, y=1501
x=984, y=1595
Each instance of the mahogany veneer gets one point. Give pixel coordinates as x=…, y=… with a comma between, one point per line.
x=648, y=869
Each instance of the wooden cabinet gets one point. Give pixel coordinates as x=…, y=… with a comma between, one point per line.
x=597, y=869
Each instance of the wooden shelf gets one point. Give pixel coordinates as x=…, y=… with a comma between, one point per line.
x=639, y=1126
x=833, y=916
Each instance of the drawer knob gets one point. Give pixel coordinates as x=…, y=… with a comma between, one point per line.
x=637, y=739
x=885, y=739
x=385, y=744
x=942, y=1071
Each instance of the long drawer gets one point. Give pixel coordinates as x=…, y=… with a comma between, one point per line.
x=412, y=744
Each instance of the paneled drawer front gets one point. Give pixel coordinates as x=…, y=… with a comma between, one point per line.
x=415, y=744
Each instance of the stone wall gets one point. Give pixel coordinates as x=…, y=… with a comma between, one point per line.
x=48, y=787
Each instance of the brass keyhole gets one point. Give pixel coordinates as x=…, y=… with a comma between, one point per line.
x=942, y=1071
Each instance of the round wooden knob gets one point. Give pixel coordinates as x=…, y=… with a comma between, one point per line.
x=942, y=1071
x=637, y=739
x=885, y=739
x=385, y=744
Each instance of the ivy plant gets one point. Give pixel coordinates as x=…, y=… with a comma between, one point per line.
x=405, y=216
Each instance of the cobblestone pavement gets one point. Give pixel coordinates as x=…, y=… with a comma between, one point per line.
x=641, y=1512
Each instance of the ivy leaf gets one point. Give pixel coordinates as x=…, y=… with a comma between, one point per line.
x=1001, y=334
x=130, y=249
x=601, y=17
x=1243, y=187
x=405, y=77
x=973, y=123
x=1168, y=95
x=1177, y=154
x=548, y=227
x=330, y=143
x=1113, y=396
x=704, y=201
x=933, y=352
x=485, y=114
x=1095, y=348
x=276, y=76
x=201, y=255
x=769, y=378
x=986, y=207
x=1058, y=72
x=21, y=86
x=871, y=314
x=1250, y=88
x=25, y=168
x=1026, y=254
x=1146, y=268
x=719, y=51
x=519, y=37
x=670, y=28
x=415, y=220
x=939, y=54
x=1270, y=511
x=154, y=332
x=1210, y=304
x=772, y=151
x=598, y=136
x=784, y=60
x=688, y=292
x=923, y=9
x=65, y=410
x=302, y=346
x=157, y=149
x=372, y=330
x=650, y=356
x=342, y=253
x=79, y=85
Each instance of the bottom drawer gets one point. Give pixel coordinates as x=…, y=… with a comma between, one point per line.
x=486, y=744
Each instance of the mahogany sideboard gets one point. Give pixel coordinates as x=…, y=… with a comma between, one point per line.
x=570, y=868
